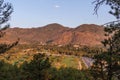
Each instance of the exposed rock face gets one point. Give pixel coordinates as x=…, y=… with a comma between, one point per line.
x=86, y=34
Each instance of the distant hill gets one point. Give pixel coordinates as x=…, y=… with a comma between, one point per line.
x=86, y=34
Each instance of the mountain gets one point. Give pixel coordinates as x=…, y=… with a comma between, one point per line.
x=86, y=34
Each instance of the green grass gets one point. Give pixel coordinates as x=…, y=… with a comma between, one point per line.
x=57, y=61
x=64, y=61
x=70, y=61
x=18, y=55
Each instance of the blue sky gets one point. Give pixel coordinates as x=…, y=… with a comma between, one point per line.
x=71, y=13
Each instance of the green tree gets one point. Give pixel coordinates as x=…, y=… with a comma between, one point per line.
x=5, y=11
x=37, y=69
x=69, y=74
x=9, y=72
x=114, y=5
x=107, y=64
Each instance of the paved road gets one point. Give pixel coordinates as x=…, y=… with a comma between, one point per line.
x=87, y=61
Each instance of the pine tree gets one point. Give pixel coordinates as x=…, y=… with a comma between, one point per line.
x=114, y=5
x=107, y=63
x=5, y=11
x=37, y=69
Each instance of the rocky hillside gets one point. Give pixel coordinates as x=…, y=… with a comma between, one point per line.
x=86, y=34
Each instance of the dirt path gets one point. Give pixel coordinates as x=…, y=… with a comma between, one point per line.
x=79, y=65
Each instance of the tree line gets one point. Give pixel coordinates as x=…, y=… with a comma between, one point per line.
x=106, y=65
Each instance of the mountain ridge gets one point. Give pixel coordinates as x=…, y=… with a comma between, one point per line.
x=57, y=34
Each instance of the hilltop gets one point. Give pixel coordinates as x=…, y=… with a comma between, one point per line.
x=57, y=34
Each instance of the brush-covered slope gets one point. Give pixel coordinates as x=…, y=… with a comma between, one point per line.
x=86, y=34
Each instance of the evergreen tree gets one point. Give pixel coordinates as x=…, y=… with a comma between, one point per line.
x=107, y=64
x=37, y=69
x=5, y=11
x=114, y=5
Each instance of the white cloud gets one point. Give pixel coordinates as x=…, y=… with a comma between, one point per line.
x=56, y=6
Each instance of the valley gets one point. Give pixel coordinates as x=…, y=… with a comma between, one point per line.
x=59, y=56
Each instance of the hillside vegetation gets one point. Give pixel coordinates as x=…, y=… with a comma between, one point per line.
x=56, y=34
